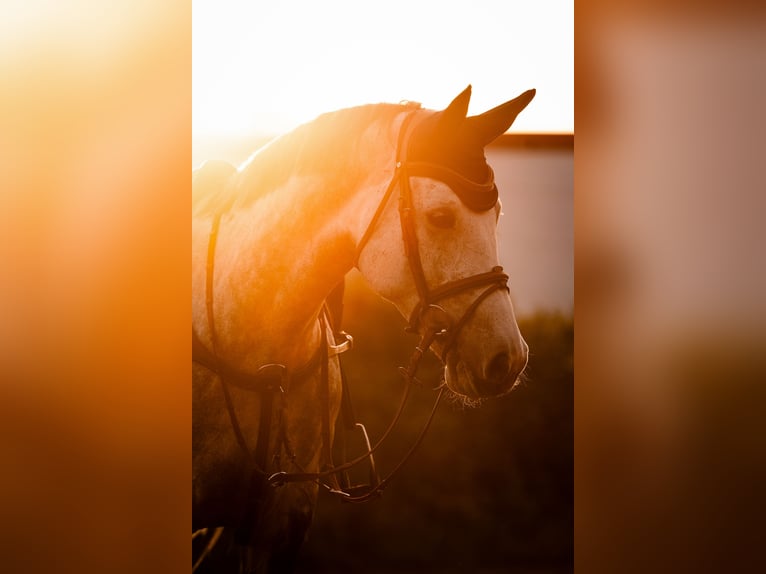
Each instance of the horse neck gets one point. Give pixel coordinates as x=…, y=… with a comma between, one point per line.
x=275, y=263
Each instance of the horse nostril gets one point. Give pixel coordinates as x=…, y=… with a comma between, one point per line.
x=498, y=368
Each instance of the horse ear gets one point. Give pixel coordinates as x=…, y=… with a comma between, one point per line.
x=454, y=114
x=488, y=126
x=458, y=108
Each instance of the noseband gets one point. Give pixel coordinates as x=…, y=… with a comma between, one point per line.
x=428, y=314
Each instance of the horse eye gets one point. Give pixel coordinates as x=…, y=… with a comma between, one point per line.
x=442, y=218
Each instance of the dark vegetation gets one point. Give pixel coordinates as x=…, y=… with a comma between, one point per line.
x=490, y=489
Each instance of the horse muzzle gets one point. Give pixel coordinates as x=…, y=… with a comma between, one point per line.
x=487, y=355
x=496, y=376
x=502, y=371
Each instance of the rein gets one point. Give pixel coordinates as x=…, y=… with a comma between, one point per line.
x=274, y=380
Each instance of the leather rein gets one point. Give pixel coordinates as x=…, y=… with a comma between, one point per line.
x=274, y=381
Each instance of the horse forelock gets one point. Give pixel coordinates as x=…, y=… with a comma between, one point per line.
x=328, y=146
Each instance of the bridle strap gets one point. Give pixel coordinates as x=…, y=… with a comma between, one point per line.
x=262, y=380
x=459, y=285
x=210, y=270
x=410, y=237
x=496, y=277
x=453, y=333
x=216, y=367
x=403, y=131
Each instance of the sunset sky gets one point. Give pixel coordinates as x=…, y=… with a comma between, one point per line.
x=265, y=67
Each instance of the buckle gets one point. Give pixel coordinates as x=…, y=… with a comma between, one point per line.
x=346, y=345
x=435, y=320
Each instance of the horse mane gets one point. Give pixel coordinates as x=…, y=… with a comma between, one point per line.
x=327, y=145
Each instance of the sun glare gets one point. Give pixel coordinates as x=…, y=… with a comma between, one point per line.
x=262, y=68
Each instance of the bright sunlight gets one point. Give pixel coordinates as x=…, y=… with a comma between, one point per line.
x=262, y=68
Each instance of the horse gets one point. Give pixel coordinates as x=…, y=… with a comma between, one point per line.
x=404, y=195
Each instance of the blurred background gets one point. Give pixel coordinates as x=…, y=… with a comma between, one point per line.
x=670, y=445
x=95, y=421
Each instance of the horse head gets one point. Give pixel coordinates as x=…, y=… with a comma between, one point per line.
x=434, y=253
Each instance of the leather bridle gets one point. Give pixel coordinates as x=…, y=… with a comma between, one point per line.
x=428, y=318
x=484, y=197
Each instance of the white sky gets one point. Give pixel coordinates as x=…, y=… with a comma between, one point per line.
x=264, y=67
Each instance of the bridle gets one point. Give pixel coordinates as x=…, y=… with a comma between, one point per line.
x=483, y=196
x=428, y=318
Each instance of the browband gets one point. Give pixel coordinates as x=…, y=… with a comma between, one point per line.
x=475, y=196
